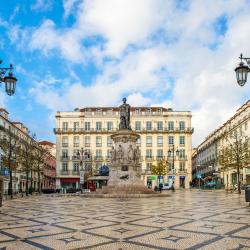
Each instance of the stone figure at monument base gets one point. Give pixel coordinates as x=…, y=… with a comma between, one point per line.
x=125, y=167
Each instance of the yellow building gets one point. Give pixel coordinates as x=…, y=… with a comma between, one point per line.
x=83, y=136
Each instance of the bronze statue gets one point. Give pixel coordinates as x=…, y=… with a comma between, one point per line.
x=124, y=115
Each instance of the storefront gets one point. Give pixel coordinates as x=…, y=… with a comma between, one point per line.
x=70, y=183
x=182, y=181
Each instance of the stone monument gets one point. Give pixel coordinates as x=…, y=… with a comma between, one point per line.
x=125, y=169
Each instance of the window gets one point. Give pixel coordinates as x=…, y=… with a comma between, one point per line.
x=148, y=166
x=99, y=154
x=87, y=154
x=65, y=141
x=148, y=111
x=160, y=140
x=182, y=153
x=76, y=141
x=87, y=141
x=65, y=153
x=138, y=111
x=75, y=166
x=182, y=140
x=65, y=126
x=109, y=153
x=76, y=154
x=159, y=153
x=110, y=111
x=149, y=153
x=182, y=166
x=160, y=126
x=159, y=111
x=137, y=126
x=170, y=166
x=170, y=125
x=182, y=125
x=138, y=141
x=65, y=166
x=170, y=140
x=149, y=141
x=87, y=126
x=109, y=141
x=98, y=141
x=98, y=111
x=98, y=126
x=110, y=126
x=76, y=126
x=148, y=126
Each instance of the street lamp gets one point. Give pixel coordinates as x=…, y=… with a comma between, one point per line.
x=9, y=80
x=173, y=152
x=242, y=70
x=83, y=155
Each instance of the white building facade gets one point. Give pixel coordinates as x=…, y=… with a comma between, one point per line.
x=207, y=153
x=83, y=139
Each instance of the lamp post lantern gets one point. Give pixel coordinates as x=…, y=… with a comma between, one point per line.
x=242, y=70
x=9, y=80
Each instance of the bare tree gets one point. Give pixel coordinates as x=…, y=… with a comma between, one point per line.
x=40, y=154
x=27, y=157
x=9, y=143
x=235, y=154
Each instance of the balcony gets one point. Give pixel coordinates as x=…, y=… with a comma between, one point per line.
x=76, y=145
x=64, y=172
x=64, y=158
x=182, y=157
x=182, y=171
x=149, y=158
x=159, y=158
x=75, y=158
x=75, y=172
x=149, y=144
x=99, y=158
x=146, y=172
x=98, y=144
x=65, y=145
x=87, y=144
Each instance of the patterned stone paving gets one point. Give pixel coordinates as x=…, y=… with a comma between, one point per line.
x=188, y=219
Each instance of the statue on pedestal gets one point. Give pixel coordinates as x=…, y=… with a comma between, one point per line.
x=124, y=115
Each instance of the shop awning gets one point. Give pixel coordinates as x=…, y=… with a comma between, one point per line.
x=70, y=180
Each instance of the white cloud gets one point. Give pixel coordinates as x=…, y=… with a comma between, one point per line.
x=157, y=53
x=42, y=5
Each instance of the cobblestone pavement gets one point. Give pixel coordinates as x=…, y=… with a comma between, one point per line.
x=185, y=220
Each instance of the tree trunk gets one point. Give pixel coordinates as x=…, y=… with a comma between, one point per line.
x=39, y=181
x=238, y=179
x=27, y=183
x=10, y=191
x=31, y=182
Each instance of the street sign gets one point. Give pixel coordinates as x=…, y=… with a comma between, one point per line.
x=81, y=177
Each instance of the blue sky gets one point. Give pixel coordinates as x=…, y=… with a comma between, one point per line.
x=73, y=53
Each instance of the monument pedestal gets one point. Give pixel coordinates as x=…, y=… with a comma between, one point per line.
x=125, y=169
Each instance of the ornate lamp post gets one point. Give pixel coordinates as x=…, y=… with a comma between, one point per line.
x=172, y=152
x=9, y=80
x=242, y=70
x=83, y=155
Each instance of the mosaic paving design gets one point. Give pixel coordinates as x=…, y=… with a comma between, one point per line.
x=185, y=220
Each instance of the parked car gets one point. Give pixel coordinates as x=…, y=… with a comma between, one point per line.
x=166, y=186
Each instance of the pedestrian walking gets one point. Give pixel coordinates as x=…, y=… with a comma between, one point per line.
x=160, y=187
x=173, y=189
